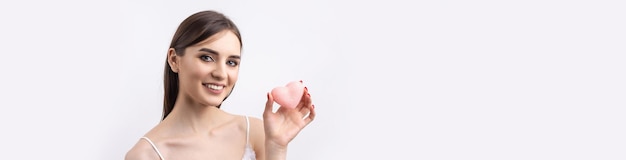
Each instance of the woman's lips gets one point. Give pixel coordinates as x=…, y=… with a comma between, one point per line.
x=214, y=88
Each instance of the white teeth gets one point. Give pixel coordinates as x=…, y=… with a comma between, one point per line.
x=215, y=87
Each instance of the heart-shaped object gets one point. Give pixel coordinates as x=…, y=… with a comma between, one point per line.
x=289, y=95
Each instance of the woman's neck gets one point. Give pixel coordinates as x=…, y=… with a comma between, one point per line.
x=190, y=118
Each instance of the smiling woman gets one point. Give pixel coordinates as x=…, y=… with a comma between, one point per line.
x=203, y=59
x=201, y=70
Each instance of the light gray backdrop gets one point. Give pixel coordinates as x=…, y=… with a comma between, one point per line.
x=390, y=79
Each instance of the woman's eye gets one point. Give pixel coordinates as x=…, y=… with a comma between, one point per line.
x=206, y=58
x=232, y=63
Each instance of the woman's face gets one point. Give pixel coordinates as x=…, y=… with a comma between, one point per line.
x=208, y=70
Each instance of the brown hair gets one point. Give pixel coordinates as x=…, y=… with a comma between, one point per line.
x=194, y=29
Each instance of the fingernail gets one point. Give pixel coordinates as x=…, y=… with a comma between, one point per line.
x=268, y=95
x=313, y=106
x=301, y=81
x=308, y=94
x=306, y=89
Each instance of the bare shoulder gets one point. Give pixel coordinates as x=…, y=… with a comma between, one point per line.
x=142, y=150
x=256, y=126
x=255, y=120
x=257, y=136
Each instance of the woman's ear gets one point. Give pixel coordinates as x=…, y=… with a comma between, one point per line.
x=173, y=60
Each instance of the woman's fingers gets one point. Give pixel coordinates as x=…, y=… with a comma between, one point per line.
x=311, y=116
x=269, y=105
x=305, y=102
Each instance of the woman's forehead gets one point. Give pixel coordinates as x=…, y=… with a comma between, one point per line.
x=224, y=42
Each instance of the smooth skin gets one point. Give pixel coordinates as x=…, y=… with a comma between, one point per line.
x=197, y=129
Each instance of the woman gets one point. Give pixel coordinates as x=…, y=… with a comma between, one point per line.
x=200, y=72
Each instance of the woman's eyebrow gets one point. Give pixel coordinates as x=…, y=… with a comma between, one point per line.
x=234, y=57
x=217, y=53
x=209, y=51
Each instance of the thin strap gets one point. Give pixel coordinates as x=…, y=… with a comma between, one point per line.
x=247, y=130
x=154, y=147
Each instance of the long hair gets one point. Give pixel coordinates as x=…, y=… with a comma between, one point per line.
x=194, y=29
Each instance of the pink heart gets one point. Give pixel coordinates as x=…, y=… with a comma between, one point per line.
x=289, y=95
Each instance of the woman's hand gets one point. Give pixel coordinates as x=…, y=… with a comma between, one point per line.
x=284, y=124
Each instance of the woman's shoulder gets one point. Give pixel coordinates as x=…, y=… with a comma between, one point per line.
x=255, y=123
x=254, y=120
x=142, y=150
x=256, y=133
x=246, y=122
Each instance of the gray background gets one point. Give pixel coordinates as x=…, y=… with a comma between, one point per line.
x=390, y=79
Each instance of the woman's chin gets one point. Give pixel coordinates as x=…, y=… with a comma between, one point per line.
x=211, y=102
